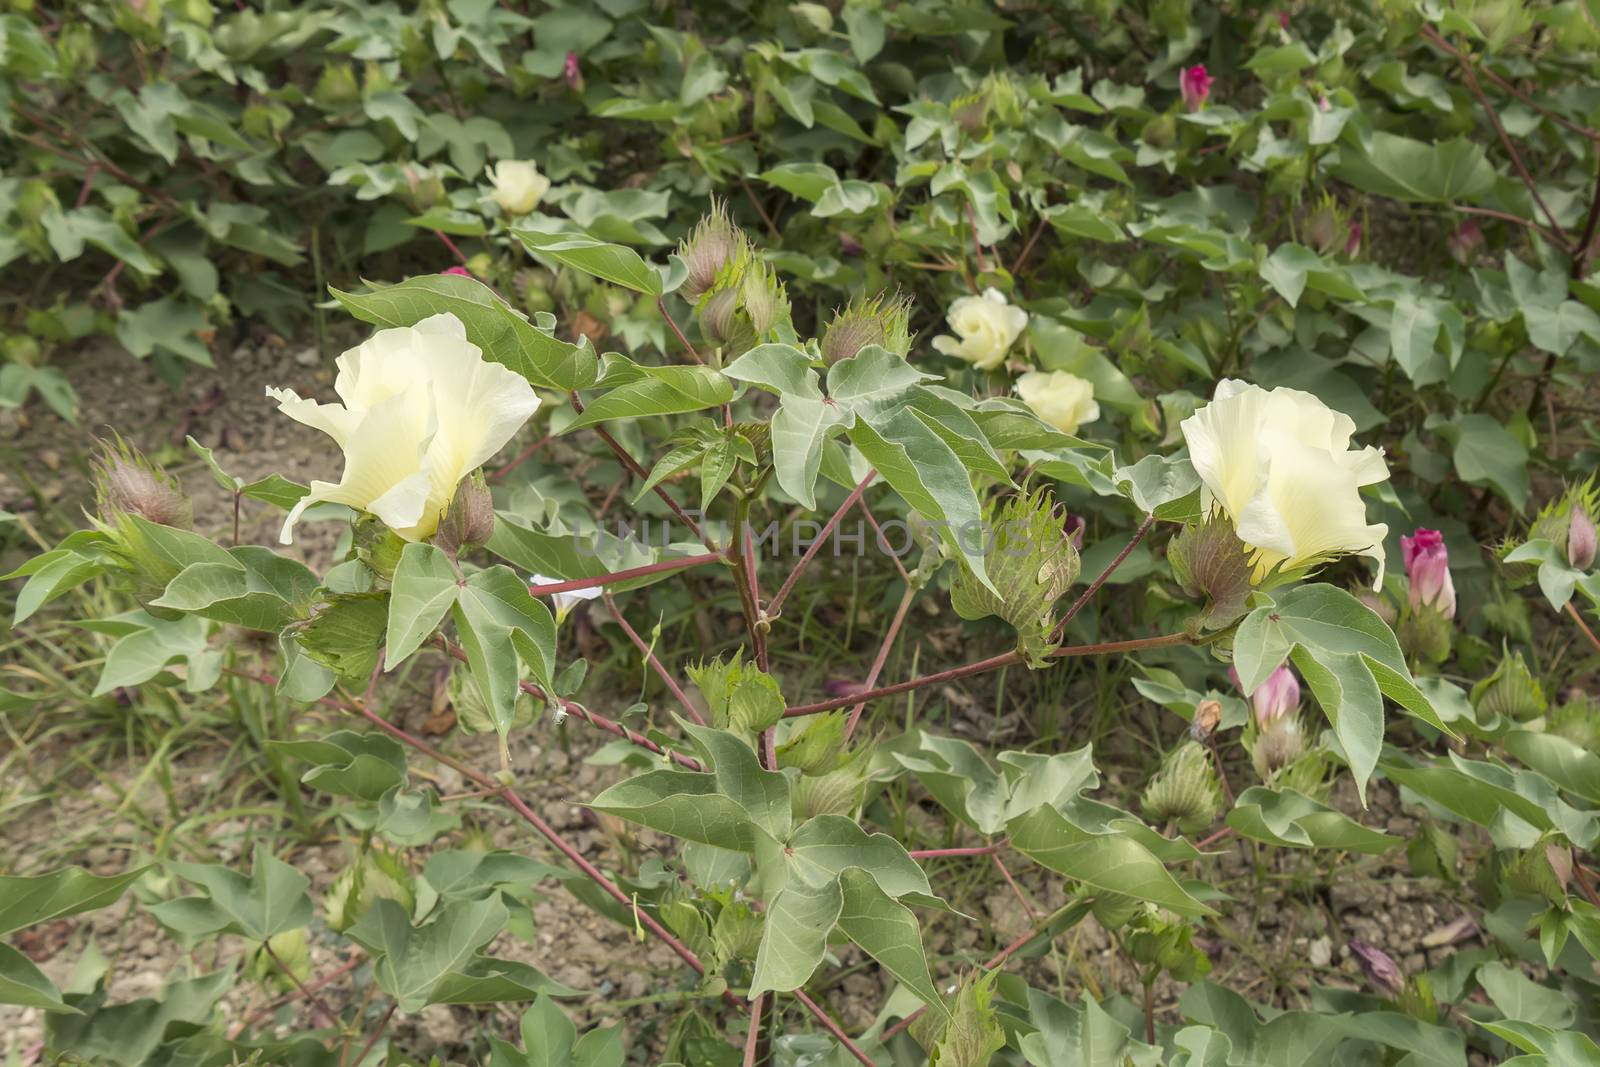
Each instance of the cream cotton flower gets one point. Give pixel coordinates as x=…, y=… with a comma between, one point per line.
x=986, y=327
x=518, y=186
x=1060, y=398
x=1278, y=462
x=421, y=409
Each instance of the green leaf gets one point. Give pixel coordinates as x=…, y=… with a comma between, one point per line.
x=502, y=332
x=496, y=619
x=346, y=634
x=1570, y=766
x=1285, y=817
x=613, y=263
x=272, y=900
x=824, y=846
x=794, y=938
x=1524, y=1000
x=683, y=804
x=1406, y=169
x=1160, y=486
x=1486, y=453
x=1348, y=657
x=23, y=984
x=27, y=901
x=258, y=590
x=345, y=763
x=761, y=794
x=920, y=466
x=1114, y=863
x=800, y=428
x=887, y=931
x=415, y=965
x=424, y=589
x=657, y=391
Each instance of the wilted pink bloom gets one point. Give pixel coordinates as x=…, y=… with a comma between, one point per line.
x=1465, y=242
x=842, y=687
x=1580, y=538
x=572, y=73
x=1428, y=567
x=1195, y=84
x=464, y=272
x=1283, y=20
x=1353, y=244
x=1274, y=698
x=1380, y=971
x=849, y=245
x=1073, y=526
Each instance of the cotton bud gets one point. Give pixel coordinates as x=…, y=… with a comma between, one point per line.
x=1195, y=84
x=883, y=320
x=1279, y=744
x=765, y=301
x=336, y=87
x=1031, y=563
x=838, y=792
x=284, y=961
x=1511, y=691
x=424, y=187
x=1380, y=971
x=1324, y=230
x=469, y=521
x=1428, y=568
x=1184, y=791
x=126, y=483
x=817, y=747
x=1581, y=539
x=715, y=244
x=378, y=874
x=1465, y=242
x=1209, y=560
x=1352, y=243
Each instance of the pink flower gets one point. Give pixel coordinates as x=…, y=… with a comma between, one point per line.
x=1274, y=698
x=1428, y=567
x=1464, y=243
x=1352, y=245
x=572, y=72
x=1283, y=20
x=462, y=271
x=1195, y=84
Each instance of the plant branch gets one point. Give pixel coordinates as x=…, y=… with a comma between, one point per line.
x=288, y=998
x=883, y=656
x=945, y=853
x=659, y=567
x=1582, y=131
x=316, y=1000
x=655, y=664
x=833, y=1028
x=383, y=1024
x=661, y=306
x=522, y=457
x=752, y=1041
x=816, y=545
x=1007, y=659
x=1577, y=617
x=1094, y=586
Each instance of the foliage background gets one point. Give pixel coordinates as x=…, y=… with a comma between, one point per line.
x=1358, y=211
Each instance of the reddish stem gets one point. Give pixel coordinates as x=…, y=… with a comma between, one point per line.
x=833, y=1028
x=999, y=958
x=659, y=567
x=288, y=998
x=752, y=1041
x=661, y=306
x=945, y=853
x=639, y=472
x=655, y=664
x=816, y=545
x=1214, y=838
x=883, y=542
x=383, y=1024
x=992, y=663
x=1022, y=898
x=882, y=657
x=1100, y=579
x=451, y=245
x=1577, y=617
x=522, y=457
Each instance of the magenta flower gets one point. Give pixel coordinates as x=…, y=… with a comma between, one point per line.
x=572, y=73
x=1352, y=244
x=1195, y=84
x=1274, y=698
x=1428, y=567
x=464, y=272
x=1379, y=969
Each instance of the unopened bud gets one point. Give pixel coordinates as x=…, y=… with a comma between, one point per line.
x=1511, y=691
x=572, y=73
x=881, y=320
x=127, y=483
x=1195, y=85
x=469, y=521
x=1209, y=560
x=1581, y=539
x=1279, y=744
x=1428, y=568
x=1465, y=242
x=1379, y=969
x=1184, y=792
x=765, y=302
x=715, y=243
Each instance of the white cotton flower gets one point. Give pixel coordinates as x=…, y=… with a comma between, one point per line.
x=421, y=409
x=1278, y=462
x=1060, y=398
x=986, y=327
x=518, y=185
x=566, y=601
